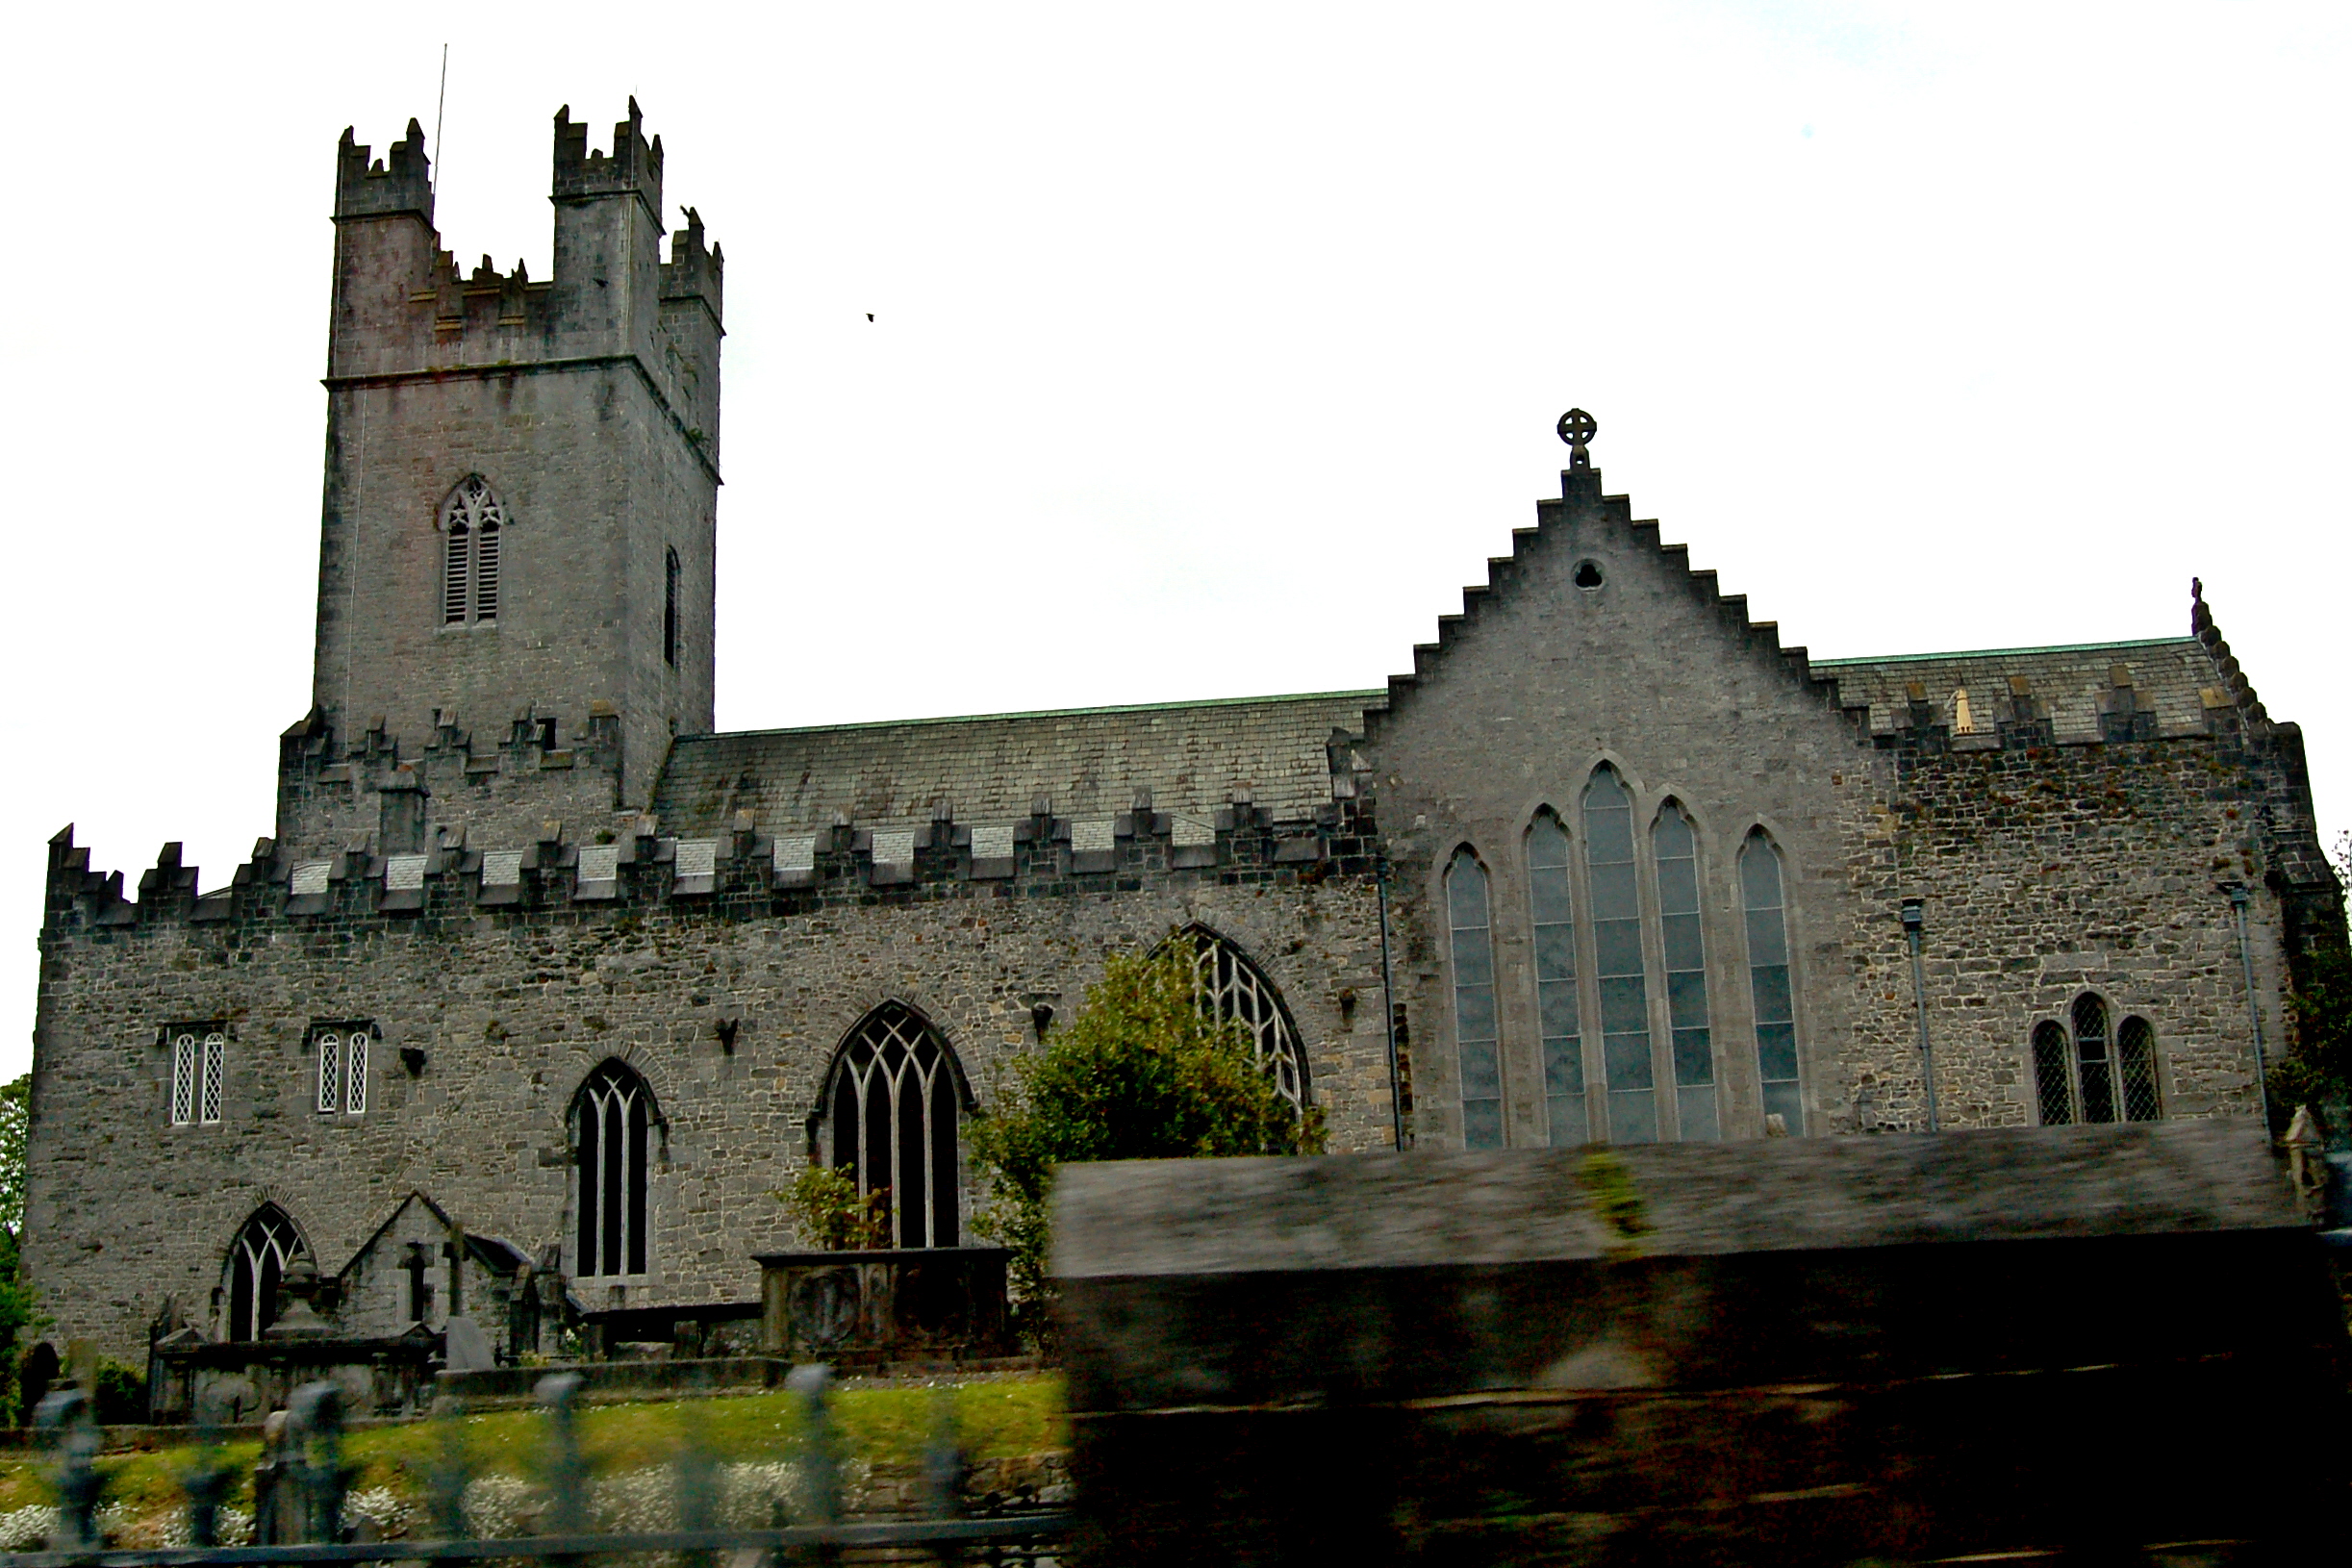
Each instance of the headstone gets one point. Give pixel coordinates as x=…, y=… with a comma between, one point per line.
x=467, y=1347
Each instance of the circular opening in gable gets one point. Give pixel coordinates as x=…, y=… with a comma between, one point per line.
x=1587, y=574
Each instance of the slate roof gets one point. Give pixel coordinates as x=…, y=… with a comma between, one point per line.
x=1088, y=762
x=2168, y=672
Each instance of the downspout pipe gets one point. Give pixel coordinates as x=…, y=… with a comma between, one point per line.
x=1389, y=1013
x=2239, y=898
x=1914, y=924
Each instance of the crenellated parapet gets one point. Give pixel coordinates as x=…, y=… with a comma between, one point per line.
x=402, y=181
x=634, y=166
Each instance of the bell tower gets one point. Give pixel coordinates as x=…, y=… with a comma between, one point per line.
x=518, y=535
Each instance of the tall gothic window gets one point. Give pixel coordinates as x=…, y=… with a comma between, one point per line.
x=199, y=1061
x=889, y=1120
x=670, y=607
x=1555, y=998
x=1677, y=849
x=1474, y=1002
x=612, y=1121
x=472, y=525
x=1231, y=987
x=257, y=1266
x=2079, y=1075
x=343, y=1070
x=1768, y=982
x=1625, y=987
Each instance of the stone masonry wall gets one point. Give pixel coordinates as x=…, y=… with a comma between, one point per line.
x=514, y=1007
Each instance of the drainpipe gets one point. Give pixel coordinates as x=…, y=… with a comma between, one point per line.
x=1914, y=920
x=2254, y=1007
x=1389, y=1013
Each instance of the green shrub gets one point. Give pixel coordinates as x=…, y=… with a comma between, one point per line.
x=824, y=1204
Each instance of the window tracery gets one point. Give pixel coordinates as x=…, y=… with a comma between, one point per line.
x=1626, y=1068
x=472, y=523
x=1229, y=986
x=258, y=1259
x=612, y=1133
x=2080, y=1075
x=890, y=1120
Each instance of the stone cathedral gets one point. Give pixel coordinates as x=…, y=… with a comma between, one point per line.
x=540, y=987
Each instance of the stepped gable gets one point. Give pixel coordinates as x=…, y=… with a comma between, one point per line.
x=2071, y=686
x=1192, y=757
x=1580, y=493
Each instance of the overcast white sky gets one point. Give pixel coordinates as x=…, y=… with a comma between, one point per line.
x=1214, y=348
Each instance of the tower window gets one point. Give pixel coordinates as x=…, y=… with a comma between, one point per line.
x=199, y=1061
x=669, y=608
x=472, y=523
x=1475, y=1041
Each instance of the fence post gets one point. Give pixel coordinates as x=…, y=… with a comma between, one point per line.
x=207, y=1480
x=68, y=1414
x=452, y=1469
x=567, y=1471
x=944, y=1469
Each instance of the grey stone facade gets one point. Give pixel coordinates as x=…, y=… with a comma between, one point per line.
x=513, y=852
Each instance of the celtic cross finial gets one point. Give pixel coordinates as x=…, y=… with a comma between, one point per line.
x=1576, y=429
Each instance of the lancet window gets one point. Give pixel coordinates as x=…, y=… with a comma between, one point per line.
x=1475, y=1036
x=1684, y=947
x=612, y=1128
x=258, y=1260
x=1769, y=989
x=1617, y=960
x=1229, y=986
x=669, y=608
x=1553, y=917
x=343, y=1070
x=472, y=526
x=890, y=1120
x=2083, y=1075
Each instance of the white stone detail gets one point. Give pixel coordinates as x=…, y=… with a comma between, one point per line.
x=404, y=873
x=1193, y=833
x=697, y=857
x=310, y=878
x=895, y=848
x=501, y=867
x=599, y=862
x=796, y=854
x=993, y=841
x=1092, y=835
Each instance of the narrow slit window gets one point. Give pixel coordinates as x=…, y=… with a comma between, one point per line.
x=1555, y=990
x=1475, y=1040
x=1768, y=983
x=1626, y=1064
x=330, y=1074
x=355, y=1072
x=485, y=571
x=2094, y=1067
x=215, y=1066
x=1685, y=952
x=669, y=608
x=456, y=570
x=186, y=1065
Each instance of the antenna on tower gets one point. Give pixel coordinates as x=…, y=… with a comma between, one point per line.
x=439, y=103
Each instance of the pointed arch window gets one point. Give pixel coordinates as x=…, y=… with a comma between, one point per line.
x=1554, y=918
x=1229, y=986
x=1769, y=989
x=1626, y=1062
x=2083, y=1075
x=472, y=526
x=258, y=1260
x=612, y=1127
x=669, y=608
x=1684, y=945
x=889, y=1118
x=1475, y=1042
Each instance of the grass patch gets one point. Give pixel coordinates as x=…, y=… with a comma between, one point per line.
x=884, y=1426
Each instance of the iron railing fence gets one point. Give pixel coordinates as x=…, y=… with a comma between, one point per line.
x=303, y=1482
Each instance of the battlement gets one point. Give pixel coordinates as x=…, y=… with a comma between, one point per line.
x=635, y=165
x=365, y=189
x=693, y=272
